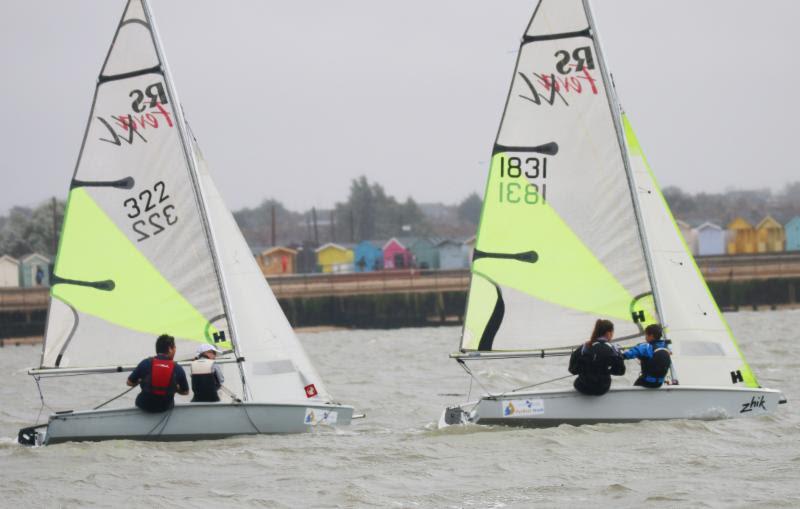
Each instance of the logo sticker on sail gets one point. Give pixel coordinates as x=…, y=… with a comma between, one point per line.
x=315, y=416
x=523, y=407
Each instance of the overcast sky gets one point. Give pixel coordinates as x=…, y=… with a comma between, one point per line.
x=293, y=99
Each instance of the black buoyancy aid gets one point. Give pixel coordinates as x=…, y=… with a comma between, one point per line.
x=205, y=383
x=161, y=379
x=655, y=368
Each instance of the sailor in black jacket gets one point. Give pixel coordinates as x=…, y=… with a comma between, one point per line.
x=596, y=360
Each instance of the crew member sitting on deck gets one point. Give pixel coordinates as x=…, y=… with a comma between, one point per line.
x=654, y=356
x=160, y=378
x=206, y=374
x=596, y=360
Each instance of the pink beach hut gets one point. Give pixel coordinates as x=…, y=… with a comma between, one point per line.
x=396, y=255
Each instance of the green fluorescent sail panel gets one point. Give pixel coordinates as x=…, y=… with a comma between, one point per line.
x=94, y=250
x=566, y=272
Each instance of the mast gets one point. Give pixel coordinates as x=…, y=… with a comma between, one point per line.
x=199, y=195
x=611, y=93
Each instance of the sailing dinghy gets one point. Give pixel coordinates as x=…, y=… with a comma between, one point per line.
x=574, y=228
x=147, y=248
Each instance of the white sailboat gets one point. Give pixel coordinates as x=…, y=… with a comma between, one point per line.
x=574, y=228
x=147, y=248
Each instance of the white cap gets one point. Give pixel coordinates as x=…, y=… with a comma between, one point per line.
x=205, y=347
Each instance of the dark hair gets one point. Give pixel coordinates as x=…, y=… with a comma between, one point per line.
x=653, y=330
x=601, y=327
x=164, y=343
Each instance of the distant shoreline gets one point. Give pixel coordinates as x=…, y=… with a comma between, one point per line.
x=36, y=340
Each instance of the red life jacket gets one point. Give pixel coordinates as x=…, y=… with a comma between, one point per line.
x=162, y=381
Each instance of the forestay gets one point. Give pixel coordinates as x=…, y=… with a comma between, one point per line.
x=558, y=244
x=148, y=247
x=703, y=346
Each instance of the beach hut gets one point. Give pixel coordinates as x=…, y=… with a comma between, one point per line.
x=452, y=255
x=769, y=236
x=396, y=255
x=469, y=245
x=34, y=271
x=334, y=258
x=9, y=272
x=424, y=252
x=710, y=240
x=305, y=261
x=689, y=235
x=277, y=260
x=368, y=256
x=792, y=230
x=741, y=237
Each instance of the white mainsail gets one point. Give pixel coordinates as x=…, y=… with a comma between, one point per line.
x=558, y=244
x=134, y=259
x=148, y=246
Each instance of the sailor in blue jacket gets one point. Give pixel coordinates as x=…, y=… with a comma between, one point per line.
x=654, y=356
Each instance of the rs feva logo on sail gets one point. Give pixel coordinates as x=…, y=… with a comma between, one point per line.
x=572, y=77
x=150, y=111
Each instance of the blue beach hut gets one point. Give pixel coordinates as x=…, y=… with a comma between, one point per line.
x=793, y=234
x=368, y=256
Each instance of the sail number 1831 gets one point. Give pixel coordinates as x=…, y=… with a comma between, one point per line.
x=525, y=191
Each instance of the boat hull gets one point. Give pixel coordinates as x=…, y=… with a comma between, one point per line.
x=626, y=404
x=195, y=421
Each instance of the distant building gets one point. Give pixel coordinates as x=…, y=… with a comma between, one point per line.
x=769, y=236
x=792, y=230
x=689, y=235
x=9, y=272
x=396, y=255
x=35, y=271
x=334, y=258
x=424, y=252
x=741, y=237
x=277, y=260
x=470, y=247
x=306, y=258
x=710, y=240
x=452, y=255
x=368, y=256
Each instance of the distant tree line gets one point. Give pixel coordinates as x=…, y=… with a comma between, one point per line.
x=722, y=208
x=370, y=213
x=31, y=230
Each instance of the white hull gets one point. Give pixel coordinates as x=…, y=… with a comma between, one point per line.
x=195, y=421
x=625, y=404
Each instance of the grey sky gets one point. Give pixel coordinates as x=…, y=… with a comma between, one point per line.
x=292, y=99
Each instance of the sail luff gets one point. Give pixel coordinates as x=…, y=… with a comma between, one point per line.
x=613, y=102
x=200, y=197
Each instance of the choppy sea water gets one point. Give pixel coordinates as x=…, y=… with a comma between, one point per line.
x=397, y=458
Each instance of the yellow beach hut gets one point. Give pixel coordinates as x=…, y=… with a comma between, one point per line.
x=334, y=258
x=770, y=236
x=741, y=237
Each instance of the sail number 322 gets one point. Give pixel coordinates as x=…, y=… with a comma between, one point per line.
x=156, y=213
x=525, y=191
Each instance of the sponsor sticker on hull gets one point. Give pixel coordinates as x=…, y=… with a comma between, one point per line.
x=316, y=416
x=523, y=407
